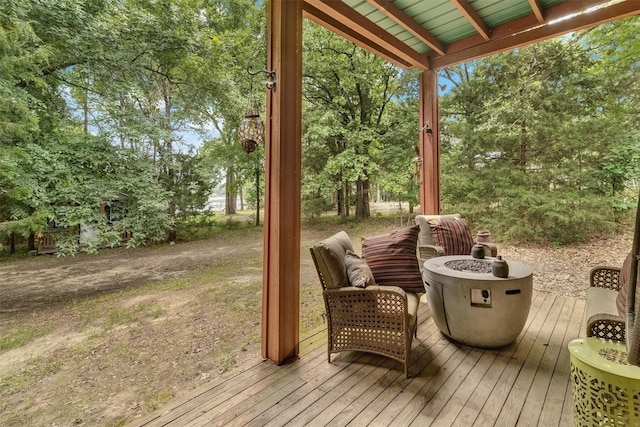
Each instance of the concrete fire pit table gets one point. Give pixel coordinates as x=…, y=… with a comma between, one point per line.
x=475, y=307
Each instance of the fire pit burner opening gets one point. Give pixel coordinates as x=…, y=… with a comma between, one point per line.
x=470, y=265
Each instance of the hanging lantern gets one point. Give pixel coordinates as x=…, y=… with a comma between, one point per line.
x=251, y=131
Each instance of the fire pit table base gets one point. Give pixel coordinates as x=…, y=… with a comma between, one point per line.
x=474, y=307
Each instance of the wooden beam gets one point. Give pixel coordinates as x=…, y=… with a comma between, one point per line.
x=401, y=18
x=344, y=14
x=472, y=16
x=281, y=256
x=532, y=32
x=524, y=24
x=341, y=29
x=429, y=144
x=537, y=10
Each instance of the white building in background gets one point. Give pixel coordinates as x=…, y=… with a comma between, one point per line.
x=215, y=203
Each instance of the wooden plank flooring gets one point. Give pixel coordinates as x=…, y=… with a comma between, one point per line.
x=524, y=384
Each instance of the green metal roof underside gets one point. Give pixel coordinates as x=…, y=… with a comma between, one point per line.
x=433, y=34
x=443, y=20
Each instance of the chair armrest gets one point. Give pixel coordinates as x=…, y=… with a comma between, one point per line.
x=605, y=277
x=372, y=288
x=430, y=251
x=375, y=290
x=388, y=298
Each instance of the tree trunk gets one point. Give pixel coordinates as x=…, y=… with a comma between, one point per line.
x=31, y=242
x=340, y=196
x=12, y=243
x=362, y=199
x=522, y=161
x=167, y=157
x=340, y=201
x=231, y=195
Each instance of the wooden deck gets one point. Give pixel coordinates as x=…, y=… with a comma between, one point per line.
x=525, y=384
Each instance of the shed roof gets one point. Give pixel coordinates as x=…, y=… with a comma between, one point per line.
x=433, y=34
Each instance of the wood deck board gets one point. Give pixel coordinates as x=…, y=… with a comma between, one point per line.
x=457, y=402
x=429, y=348
x=485, y=386
x=537, y=392
x=295, y=402
x=367, y=403
x=431, y=387
x=440, y=353
x=521, y=387
x=441, y=397
x=465, y=391
x=244, y=407
x=511, y=368
x=554, y=402
x=524, y=384
x=566, y=417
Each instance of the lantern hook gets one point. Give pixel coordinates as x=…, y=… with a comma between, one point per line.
x=270, y=83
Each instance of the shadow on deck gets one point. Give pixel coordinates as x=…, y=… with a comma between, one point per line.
x=524, y=384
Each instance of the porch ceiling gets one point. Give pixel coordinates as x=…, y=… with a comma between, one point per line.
x=434, y=34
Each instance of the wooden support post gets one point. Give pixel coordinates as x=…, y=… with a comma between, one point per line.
x=281, y=262
x=429, y=143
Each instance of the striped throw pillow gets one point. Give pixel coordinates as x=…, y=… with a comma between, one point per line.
x=452, y=234
x=392, y=259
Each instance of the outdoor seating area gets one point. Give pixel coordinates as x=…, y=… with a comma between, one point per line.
x=526, y=383
x=548, y=372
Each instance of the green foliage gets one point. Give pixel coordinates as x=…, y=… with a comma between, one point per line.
x=525, y=151
x=352, y=125
x=96, y=98
x=139, y=76
x=209, y=224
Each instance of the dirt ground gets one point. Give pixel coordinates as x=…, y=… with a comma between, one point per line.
x=110, y=337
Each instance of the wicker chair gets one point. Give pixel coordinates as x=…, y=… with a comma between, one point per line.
x=375, y=319
x=427, y=247
x=603, y=319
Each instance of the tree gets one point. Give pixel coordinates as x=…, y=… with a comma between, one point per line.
x=399, y=176
x=140, y=75
x=523, y=143
x=348, y=93
x=617, y=46
x=37, y=41
x=239, y=48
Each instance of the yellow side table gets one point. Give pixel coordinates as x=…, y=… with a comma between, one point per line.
x=606, y=388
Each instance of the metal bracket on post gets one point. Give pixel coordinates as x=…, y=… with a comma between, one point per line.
x=270, y=83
